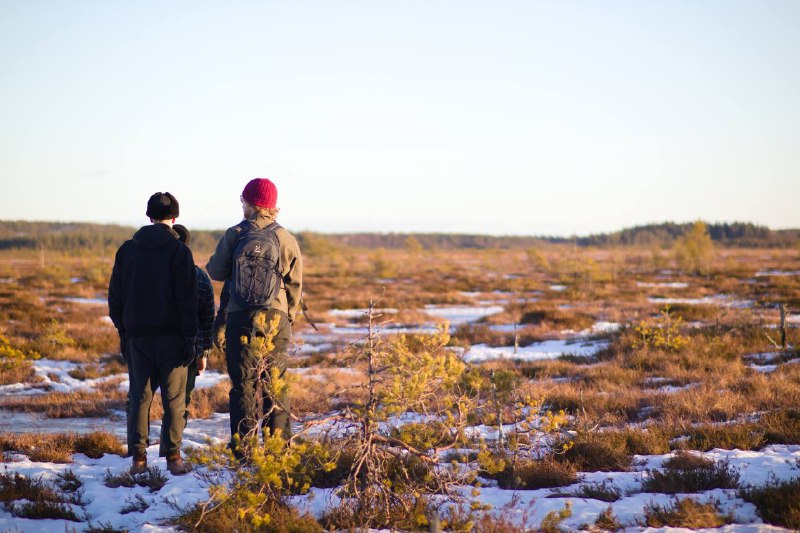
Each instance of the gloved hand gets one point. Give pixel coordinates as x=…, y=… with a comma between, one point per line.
x=219, y=337
x=189, y=351
x=123, y=347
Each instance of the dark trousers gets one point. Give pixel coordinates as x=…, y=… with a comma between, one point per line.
x=243, y=359
x=153, y=362
x=191, y=377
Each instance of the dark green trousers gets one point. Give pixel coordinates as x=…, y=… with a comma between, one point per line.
x=249, y=402
x=191, y=377
x=156, y=362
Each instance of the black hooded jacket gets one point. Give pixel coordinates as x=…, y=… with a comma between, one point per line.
x=153, y=288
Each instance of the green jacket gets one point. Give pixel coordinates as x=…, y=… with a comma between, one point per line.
x=288, y=299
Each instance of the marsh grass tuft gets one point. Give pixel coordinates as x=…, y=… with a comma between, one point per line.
x=59, y=447
x=686, y=513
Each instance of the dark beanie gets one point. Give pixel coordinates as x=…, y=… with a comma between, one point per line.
x=184, y=235
x=162, y=206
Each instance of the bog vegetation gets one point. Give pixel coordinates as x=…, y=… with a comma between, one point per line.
x=448, y=368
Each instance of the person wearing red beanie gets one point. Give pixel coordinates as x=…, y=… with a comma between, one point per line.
x=260, y=192
x=250, y=295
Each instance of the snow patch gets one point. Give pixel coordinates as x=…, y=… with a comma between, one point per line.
x=458, y=315
x=551, y=349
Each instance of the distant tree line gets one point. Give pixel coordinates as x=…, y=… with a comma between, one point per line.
x=742, y=234
x=87, y=238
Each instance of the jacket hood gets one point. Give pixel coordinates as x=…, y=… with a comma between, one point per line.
x=154, y=236
x=261, y=220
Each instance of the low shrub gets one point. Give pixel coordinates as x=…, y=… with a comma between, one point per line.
x=98, y=443
x=136, y=504
x=685, y=460
x=15, y=366
x=152, y=478
x=68, y=481
x=405, y=512
x=552, y=520
x=741, y=436
x=781, y=427
x=227, y=517
x=42, y=510
x=607, y=521
x=777, y=502
x=697, y=477
x=18, y=487
x=42, y=500
x=614, y=450
x=605, y=491
x=685, y=513
x=527, y=474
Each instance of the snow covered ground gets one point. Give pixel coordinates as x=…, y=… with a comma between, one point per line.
x=458, y=315
x=103, y=505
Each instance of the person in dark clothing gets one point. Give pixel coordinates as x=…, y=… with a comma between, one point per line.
x=152, y=301
x=204, y=343
x=259, y=200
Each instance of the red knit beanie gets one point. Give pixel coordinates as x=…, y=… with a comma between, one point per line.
x=260, y=192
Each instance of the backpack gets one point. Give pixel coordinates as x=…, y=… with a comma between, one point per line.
x=256, y=274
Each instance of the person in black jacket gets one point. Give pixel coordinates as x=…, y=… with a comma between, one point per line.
x=203, y=345
x=153, y=301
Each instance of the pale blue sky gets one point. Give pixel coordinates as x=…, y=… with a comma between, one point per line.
x=439, y=116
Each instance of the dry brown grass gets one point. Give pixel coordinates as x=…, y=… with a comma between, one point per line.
x=80, y=404
x=22, y=373
x=614, y=450
x=206, y=402
x=686, y=513
x=59, y=447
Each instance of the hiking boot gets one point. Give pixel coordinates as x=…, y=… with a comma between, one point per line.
x=139, y=464
x=176, y=466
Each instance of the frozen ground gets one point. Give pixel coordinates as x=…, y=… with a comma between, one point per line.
x=103, y=505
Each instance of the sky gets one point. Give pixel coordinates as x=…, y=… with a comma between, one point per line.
x=497, y=117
